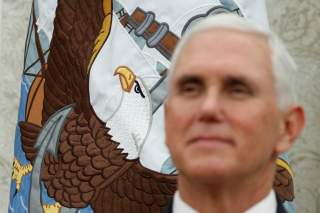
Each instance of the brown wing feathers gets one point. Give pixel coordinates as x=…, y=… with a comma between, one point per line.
x=77, y=24
x=84, y=163
x=138, y=190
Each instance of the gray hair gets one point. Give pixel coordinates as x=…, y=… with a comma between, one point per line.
x=283, y=65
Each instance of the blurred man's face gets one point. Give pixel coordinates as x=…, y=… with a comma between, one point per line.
x=222, y=116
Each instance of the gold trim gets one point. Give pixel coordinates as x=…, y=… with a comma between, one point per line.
x=104, y=32
x=107, y=7
x=285, y=165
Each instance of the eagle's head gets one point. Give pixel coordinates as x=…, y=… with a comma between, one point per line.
x=123, y=103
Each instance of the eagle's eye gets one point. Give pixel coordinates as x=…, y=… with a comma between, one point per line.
x=138, y=90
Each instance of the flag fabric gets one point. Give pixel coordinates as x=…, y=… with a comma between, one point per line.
x=90, y=135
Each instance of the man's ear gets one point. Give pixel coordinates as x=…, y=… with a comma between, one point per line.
x=165, y=106
x=293, y=123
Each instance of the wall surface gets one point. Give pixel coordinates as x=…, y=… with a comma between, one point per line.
x=13, y=25
x=298, y=24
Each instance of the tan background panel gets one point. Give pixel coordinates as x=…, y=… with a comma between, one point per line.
x=298, y=24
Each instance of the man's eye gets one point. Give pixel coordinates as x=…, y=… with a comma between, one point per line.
x=240, y=90
x=190, y=89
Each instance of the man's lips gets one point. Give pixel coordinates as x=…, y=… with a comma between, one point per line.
x=211, y=140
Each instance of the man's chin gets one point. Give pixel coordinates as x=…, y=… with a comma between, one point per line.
x=204, y=172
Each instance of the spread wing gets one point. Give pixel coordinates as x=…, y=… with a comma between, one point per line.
x=137, y=190
x=89, y=169
x=87, y=161
x=76, y=26
x=283, y=184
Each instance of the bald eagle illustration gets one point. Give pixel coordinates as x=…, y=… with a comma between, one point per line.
x=95, y=160
x=90, y=166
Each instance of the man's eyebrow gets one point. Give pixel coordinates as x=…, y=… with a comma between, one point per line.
x=238, y=80
x=189, y=79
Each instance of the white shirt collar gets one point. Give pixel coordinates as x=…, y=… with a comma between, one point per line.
x=266, y=205
x=179, y=206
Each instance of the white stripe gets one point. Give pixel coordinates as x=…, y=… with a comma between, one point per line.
x=22, y=203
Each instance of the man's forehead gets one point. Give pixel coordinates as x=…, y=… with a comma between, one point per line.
x=214, y=40
x=223, y=33
x=223, y=44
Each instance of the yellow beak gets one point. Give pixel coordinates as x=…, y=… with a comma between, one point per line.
x=126, y=76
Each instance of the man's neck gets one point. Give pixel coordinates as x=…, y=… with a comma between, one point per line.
x=225, y=196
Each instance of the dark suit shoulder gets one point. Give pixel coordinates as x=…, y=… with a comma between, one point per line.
x=280, y=207
x=168, y=208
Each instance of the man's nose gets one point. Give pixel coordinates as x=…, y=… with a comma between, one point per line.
x=211, y=107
